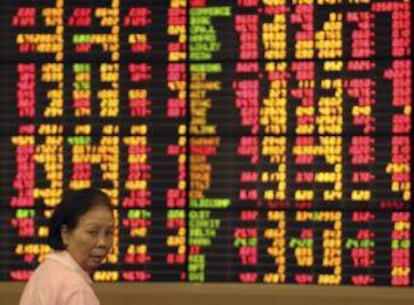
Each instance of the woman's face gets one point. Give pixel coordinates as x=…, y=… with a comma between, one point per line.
x=91, y=240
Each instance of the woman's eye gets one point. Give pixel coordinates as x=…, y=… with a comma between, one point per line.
x=93, y=233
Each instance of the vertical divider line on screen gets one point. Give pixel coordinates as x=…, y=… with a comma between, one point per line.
x=187, y=135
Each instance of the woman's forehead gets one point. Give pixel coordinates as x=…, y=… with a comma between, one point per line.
x=97, y=215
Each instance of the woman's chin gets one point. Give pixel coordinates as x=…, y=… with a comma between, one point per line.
x=94, y=263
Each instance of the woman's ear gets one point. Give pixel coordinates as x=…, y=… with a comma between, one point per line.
x=64, y=234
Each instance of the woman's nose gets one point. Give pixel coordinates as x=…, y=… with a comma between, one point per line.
x=102, y=241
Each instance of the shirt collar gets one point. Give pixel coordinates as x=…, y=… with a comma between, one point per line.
x=66, y=259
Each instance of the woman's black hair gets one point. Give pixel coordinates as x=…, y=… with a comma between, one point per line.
x=74, y=204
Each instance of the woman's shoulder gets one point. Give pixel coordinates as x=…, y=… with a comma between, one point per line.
x=54, y=282
x=55, y=270
x=58, y=269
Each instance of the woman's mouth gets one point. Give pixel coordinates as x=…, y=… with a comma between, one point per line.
x=98, y=253
x=97, y=258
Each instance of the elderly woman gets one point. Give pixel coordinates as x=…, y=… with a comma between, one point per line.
x=81, y=233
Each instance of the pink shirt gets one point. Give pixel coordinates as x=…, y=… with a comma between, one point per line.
x=59, y=280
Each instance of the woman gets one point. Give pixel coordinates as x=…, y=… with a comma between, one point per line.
x=81, y=233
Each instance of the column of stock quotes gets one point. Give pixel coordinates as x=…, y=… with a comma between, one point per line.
x=240, y=141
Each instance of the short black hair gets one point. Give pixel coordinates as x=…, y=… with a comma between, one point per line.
x=74, y=204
